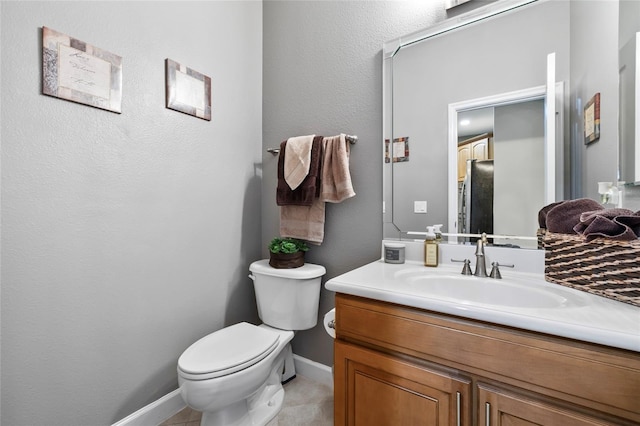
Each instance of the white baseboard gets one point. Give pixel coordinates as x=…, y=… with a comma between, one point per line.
x=313, y=370
x=170, y=404
x=156, y=412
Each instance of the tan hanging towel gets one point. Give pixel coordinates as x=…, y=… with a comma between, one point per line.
x=303, y=222
x=336, y=183
x=297, y=160
x=309, y=189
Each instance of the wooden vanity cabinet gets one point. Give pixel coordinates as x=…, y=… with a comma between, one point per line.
x=396, y=365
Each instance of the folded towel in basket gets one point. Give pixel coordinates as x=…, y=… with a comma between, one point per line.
x=616, y=224
x=564, y=216
x=542, y=214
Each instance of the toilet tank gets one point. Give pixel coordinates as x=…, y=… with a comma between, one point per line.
x=287, y=299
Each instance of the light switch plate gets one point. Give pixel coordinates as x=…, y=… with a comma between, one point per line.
x=419, y=206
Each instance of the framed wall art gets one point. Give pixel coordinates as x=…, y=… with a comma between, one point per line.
x=449, y=4
x=592, y=119
x=187, y=91
x=79, y=72
x=400, y=149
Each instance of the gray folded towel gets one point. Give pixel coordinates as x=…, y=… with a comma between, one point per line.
x=616, y=224
x=562, y=217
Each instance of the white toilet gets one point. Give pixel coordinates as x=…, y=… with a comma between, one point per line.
x=234, y=376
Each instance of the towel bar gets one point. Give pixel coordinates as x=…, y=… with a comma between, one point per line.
x=352, y=139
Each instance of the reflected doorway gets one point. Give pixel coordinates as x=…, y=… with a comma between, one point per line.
x=501, y=153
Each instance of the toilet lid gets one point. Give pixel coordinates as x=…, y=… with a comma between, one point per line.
x=228, y=350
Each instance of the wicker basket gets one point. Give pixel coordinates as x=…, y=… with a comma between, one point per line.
x=604, y=267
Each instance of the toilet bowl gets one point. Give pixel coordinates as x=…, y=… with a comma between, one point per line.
x=234, y=375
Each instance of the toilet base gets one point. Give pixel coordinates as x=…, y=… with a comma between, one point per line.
x=261, y=407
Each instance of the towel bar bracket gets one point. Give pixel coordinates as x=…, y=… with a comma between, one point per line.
x=352, y=139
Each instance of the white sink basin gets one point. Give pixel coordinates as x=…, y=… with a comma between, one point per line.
x=520, y=299
x=515, y=293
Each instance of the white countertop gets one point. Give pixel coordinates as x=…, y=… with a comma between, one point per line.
x=586, y=317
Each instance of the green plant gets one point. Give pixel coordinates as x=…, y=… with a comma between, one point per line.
x=287, y=245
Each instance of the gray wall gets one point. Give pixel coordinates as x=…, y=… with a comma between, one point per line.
x=594, y=68
x=323, y=75
x=125, y=238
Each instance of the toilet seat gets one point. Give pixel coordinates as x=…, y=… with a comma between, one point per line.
x=227, y=351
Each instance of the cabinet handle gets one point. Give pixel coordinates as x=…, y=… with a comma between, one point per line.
x=458, y=407
x=487, y=415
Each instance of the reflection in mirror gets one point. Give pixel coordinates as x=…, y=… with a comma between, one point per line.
x=422, y=79
x=629, y=152
x=502, y=178
x=500, y=161
x=629, y=102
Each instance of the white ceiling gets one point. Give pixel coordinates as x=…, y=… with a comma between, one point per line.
x=480, y=121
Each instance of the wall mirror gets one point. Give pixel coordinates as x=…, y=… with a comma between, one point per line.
x=629, y=74
x=494, y=58
x=489, y=53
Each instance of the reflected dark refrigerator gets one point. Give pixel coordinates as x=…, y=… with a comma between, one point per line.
x=476, y=198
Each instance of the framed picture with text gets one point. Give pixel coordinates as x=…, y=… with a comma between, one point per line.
x=79, y=72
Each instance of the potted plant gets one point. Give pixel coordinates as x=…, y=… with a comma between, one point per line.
x=287, y=253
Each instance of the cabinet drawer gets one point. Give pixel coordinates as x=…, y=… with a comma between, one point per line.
x=601, y=378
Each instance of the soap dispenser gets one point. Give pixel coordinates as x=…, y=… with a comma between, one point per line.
x=437, y=229
x=430, y=248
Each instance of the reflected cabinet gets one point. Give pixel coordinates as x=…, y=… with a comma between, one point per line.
x=396, y=365
x=478, y=148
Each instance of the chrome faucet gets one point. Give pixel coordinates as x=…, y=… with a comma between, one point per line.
x=481, y=264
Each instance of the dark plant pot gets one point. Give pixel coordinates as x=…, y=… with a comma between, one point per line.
x=286, y=260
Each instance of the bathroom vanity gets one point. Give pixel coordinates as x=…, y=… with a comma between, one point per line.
x=407, y=353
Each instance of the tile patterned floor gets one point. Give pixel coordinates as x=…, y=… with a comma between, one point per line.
x=306, y=403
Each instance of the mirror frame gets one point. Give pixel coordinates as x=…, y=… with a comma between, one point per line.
x=392, y=47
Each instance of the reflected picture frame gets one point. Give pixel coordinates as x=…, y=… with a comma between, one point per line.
x=592, y=120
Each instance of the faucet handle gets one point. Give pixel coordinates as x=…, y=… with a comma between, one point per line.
x=466, y=268
x=495, y=269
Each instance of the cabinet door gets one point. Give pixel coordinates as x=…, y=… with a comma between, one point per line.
x=372, y=388
x=480, y=149
x=499, y=407
x=464, y=154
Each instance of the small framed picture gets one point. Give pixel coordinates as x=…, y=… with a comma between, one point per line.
x=187, y=91
x=79, y=72
x=592, y=120
x=400, y=149
x=449, y=4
